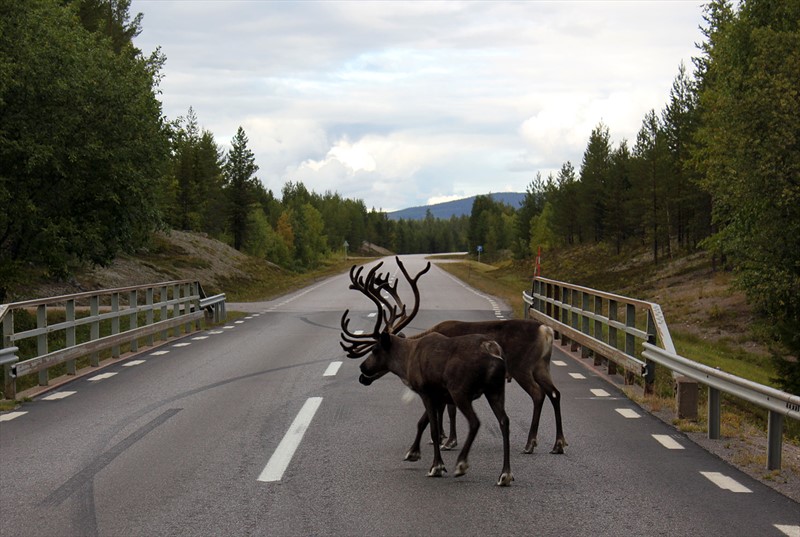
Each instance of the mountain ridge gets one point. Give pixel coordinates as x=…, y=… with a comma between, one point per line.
x=460, y=207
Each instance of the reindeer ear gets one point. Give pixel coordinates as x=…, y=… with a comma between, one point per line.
x=386, y=341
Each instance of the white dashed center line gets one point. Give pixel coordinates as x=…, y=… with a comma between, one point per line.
x=280, y=460
x=559, y=363
x=101, y=376
x=578, y=376
x=58, y=395
x=133, y=363
x=333, y=368
x=158, y=353
x=790, y=531
x=628, y=413
x=11, y=415
x=182, y=344
x=724, y=482
x=597, y=392
x=667, y=441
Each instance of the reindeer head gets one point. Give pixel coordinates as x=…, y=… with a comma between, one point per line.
x=391, y=317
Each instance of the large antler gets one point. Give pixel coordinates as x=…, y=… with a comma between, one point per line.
x=360, y=344
x=399, y=311
x=393, y=316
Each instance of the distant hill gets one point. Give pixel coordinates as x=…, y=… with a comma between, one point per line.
x=462, y=207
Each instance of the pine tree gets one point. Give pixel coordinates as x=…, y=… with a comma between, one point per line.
x=240, y=186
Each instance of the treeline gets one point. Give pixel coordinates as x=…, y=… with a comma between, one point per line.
x=89, y=166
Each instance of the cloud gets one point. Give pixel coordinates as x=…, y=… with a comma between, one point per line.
x=397, y=103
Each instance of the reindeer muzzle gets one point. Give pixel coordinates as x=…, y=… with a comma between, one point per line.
x=366, y=380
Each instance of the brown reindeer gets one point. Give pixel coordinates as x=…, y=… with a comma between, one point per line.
x=527, y=346
x=441, y=369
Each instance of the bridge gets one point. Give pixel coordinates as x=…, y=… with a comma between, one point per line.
x=256, y=425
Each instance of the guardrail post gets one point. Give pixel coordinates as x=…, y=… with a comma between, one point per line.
x=9, y=379
x=774, y=440
x=41, y=341
x=630, y=339
x=612, y=332
x=164, y=311
x=115, y=323
x=94, y=332
x=69, y=312
x=714, y=413
x=558, y=296
x=133, y=320
x=149, y=316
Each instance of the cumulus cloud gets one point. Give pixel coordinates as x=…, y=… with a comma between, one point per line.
x=401, y=103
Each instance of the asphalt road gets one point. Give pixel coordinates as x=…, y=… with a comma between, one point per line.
x=255, y=429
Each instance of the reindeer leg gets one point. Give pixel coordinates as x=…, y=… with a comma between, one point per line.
x=545, y=382
x=452, y=440
x=465, y=406
x=537, y=396
x=497, y=402
x=437, y=468
x=413, y=453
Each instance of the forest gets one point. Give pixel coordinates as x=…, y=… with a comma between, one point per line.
x=90, y=167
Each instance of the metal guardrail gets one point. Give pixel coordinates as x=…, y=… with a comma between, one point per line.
x=610, y=326
x=117, y=313
x=778, y=403
x=590, y=318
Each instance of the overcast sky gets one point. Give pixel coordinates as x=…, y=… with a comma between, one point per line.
x=409, y=103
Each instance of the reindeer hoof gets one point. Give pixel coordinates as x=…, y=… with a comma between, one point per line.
x=449, y=444
x=437, y=470
x=461, y=469
x=558, y=448
x=412, y=456
x=530, y=446
x=505, y=479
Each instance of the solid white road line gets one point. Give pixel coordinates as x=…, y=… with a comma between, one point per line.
x=628, y=413
x=280, y=460
x=133, y=363
x=667, y=441
x=58, y=395
x=101, y=376
x=578, y=376
x=11, y=415
x=790, y=531
x=597, y=392
x=333, y=368
x=725, y=482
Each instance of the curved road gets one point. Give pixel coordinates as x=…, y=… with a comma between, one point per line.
x=258, y=429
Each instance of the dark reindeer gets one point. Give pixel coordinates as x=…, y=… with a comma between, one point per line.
x=440, y=369
x=527, y=346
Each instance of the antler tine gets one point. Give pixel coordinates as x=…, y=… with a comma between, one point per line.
x=358, y=344
x=406, y=319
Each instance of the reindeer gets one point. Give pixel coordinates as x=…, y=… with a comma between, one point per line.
x=527, y=346
x=441, y=369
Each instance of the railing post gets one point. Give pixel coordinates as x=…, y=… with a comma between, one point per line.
x=714, y=413
x=149, y=315
x=576, y=321
x=164, y=311
x=630, y=339
x=9, y=380
x=133, y=320
x=70, y=334
x=94, y=332
x=115, y=323
x=585, y=352
x=774, y=440
x=41, y=341
x=613, y=313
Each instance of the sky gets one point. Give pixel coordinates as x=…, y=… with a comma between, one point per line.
x=402, y=104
